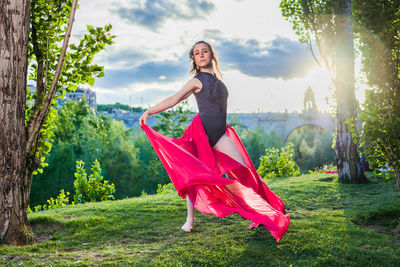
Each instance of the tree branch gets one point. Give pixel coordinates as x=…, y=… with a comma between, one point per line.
x=34, y=128
x=317, y=40
x=39, y=79
x=46, y=77
x=312, y=52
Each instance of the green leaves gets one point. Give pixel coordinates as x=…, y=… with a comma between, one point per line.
x=49, y=21
x=255, y=141
x=278, y=163
x=80, y=70
x=61, y=200
x=165, y=189
x=80, y=134
x=91, y=81
x=313, y=23
x=91, y=189
x=90, y=28
x=377, y=28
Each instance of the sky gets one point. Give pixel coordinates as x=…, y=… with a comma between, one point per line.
x=263, y=65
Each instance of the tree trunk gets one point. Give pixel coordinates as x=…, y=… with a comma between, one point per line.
x=397, y=178
x=347, y=157
x=15, y=177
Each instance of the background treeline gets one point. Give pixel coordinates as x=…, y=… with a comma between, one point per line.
x=128, y=159
x=109, y=107
x=312, y=147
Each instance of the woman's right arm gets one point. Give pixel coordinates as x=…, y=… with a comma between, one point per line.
x=172, y=100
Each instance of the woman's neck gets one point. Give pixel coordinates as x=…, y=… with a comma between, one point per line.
x=207, y=69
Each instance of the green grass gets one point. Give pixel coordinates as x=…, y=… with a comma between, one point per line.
x=331, y=225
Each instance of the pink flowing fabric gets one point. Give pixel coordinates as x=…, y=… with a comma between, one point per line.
x=195, y=169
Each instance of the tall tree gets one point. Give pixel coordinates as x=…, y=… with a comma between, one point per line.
x=327, y=24
x=14, y=174
x=378, y=24
x=26, y=115
x=347, y=156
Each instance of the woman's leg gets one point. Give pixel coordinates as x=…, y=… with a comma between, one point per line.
x=190, y=217
x=226, y=146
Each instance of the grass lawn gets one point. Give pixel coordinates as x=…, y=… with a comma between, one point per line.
x=331, y=225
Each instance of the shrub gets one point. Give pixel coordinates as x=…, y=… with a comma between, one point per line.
x=91, y=189
x=82, y=135
x=278, y=163
x=166, y=188
x=62, y=200
x=256, y=141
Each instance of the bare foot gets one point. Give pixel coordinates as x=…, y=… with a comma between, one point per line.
x=187, y=227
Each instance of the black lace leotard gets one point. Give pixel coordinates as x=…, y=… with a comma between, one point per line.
x=212, y=103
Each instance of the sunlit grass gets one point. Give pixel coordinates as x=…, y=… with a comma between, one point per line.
x=331, y=224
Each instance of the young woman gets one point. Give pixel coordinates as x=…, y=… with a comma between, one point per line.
x=213, y=195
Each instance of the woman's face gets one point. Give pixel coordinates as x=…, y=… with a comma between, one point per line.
x=202, y=55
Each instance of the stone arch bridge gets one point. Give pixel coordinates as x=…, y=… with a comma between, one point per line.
x=283, y=123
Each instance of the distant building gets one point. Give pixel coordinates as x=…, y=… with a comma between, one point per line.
x=309, y=101
x=79, y=93
x=75, y=96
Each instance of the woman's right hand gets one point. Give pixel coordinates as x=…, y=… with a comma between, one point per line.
x=143, y=118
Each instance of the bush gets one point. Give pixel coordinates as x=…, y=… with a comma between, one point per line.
x=86, y=189
x=164, y=189
x=82, y=135
x=278, y=163
x=256, y=141
x=91, y=189
x=62, y=200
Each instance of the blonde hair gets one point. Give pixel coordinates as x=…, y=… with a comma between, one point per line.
x=194, y=69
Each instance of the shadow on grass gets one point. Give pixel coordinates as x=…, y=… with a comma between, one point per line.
x=328, y=222
x=380, y=210
x=360, y=204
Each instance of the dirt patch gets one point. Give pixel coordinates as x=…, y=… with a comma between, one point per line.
x=98, y=256
x=13, y=259
x=69, y=217
x=326, y=179
x=89, y=254
x=126, y=241
x=45, y=231
x=397, y=230
x=95, y=255
x=385, y=223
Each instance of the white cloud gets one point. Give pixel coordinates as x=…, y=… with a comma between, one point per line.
x=138, y=49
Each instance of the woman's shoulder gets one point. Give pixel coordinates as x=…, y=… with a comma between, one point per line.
x=195, y=82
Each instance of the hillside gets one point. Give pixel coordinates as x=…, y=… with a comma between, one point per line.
x=331, y=224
